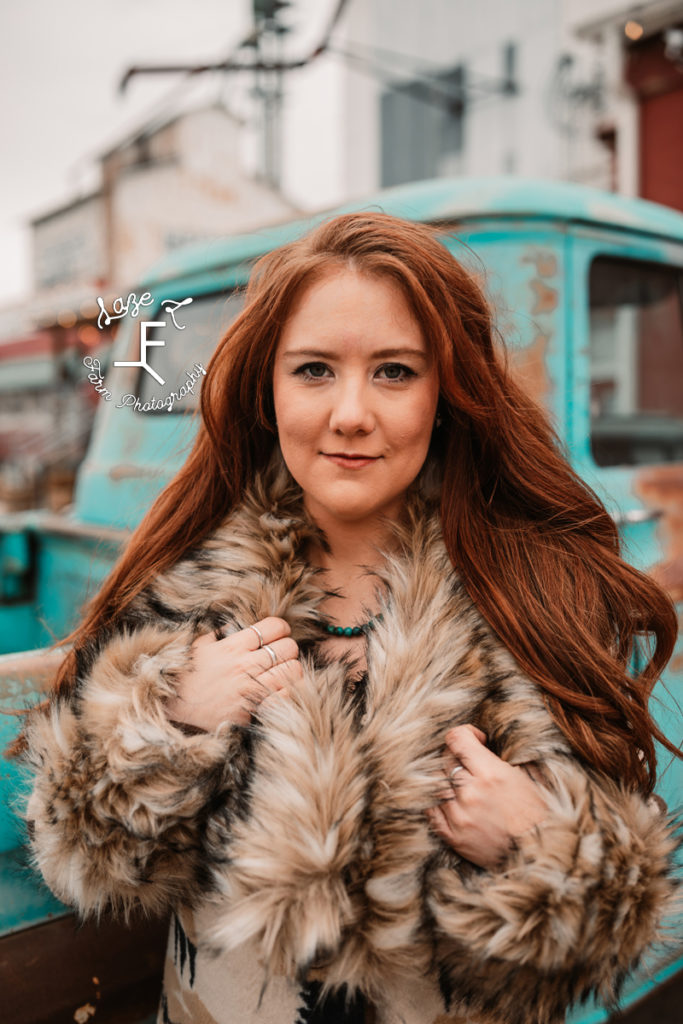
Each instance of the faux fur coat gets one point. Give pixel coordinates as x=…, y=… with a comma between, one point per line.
x=298, y=847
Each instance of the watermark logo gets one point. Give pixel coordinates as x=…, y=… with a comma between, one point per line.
x=146, y=343
x=131, y=306
x=96, y=378
x=168, y=401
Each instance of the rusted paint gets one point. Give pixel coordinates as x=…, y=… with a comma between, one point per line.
x=129, y=470
x=529, y=367
x=545, y=297
x=661, y=487
x=22, y=675
x=544, y=261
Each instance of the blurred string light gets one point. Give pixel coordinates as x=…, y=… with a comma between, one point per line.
x=633, y=30
x=89, y=309
x=89, y=336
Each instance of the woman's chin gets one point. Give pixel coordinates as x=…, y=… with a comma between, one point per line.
x=348, y=511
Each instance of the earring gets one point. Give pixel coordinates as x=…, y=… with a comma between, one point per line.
x=438, y=421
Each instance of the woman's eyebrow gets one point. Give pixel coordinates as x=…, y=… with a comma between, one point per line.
x=384, y=353
x=388, y=353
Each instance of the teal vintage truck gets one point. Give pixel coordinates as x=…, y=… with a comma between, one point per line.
x=588, y=289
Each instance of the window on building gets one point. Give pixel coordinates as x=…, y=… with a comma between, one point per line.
x=636, y=358
x=422, y=126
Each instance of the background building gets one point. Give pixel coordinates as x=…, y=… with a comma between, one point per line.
x=176, y=180
x=589, y=91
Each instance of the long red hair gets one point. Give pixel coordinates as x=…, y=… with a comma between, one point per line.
x=537, y=551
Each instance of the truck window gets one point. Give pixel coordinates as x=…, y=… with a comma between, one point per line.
x=203, y=322
x=636, y=362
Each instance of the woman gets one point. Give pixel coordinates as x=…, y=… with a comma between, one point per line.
x=442, y=814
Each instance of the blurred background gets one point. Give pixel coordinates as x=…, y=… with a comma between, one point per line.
x=134, y=127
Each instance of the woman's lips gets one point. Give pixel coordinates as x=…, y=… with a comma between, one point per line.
x=350, y=461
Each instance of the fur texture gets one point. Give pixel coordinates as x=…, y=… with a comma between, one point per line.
x=307, y=831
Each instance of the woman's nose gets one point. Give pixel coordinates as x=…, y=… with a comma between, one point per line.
x=351, y=411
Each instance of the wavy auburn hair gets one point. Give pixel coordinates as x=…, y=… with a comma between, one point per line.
x=536, y=549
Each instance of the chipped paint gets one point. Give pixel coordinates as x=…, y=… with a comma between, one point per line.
x=544, y=261
x=661, y=488
x=530, y=362
x=529, y=367
x=131, y=470
x=545, y=297
x=25, y=674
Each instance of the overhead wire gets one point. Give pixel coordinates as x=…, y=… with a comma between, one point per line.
x=422, y=85
x=231, y=63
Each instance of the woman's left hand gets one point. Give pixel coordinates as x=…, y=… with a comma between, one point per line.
x=488, y=801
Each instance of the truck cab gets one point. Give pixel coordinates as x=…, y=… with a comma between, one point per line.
x=588, y=293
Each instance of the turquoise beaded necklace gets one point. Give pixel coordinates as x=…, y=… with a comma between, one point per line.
x=360, y=630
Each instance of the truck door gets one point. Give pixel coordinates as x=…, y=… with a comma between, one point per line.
x=625, y=431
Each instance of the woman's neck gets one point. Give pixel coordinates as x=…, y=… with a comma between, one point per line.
x=351, y=554
x=353, y=545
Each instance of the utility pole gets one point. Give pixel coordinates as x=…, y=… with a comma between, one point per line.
x=269, y=32
x=268, y=67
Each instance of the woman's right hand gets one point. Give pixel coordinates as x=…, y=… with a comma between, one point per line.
x=231, y=676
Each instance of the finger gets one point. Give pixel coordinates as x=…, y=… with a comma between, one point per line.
x=468, y=727
x=468, y=748
x=203, y=639
x=248, y=639
x=274, y=654
x=439, y=821
x=445, y=794
x=268, y=685
x=283, y=674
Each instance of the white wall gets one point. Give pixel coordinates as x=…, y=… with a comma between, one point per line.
x=333, y=130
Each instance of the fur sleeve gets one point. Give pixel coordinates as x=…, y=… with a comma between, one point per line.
x=580, y=900
x=290, y=879
x=121, y=796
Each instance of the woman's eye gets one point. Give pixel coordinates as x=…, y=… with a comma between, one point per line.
x=396, y=371
x=312, y=371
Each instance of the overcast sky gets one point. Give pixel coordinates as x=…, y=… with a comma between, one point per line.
x=60, y=64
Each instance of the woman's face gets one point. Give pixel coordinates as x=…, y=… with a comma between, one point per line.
x=355, y=393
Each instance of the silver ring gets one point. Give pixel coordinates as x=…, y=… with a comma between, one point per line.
x=271, y=652
x=454, y=769
x=259, y=634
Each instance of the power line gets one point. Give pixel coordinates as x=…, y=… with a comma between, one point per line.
x=431, y=89
x=233, y=64
x=422, y=88
x=428, y=69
